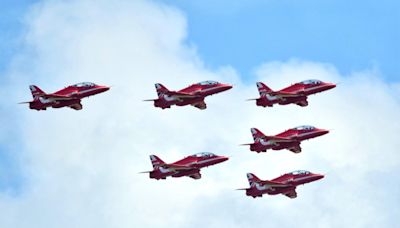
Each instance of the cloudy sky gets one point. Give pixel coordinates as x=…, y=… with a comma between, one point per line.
x=67, y=168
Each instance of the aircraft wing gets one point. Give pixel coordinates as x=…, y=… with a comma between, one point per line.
x=279, y=139
x=282, y=94
x=274, y=184
x=180, y=95
x=176, y=167
x=57, y=97
x=291, y=194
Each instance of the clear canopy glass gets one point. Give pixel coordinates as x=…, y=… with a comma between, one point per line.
x=208, y=83
x=84, y=84
x=298, y=172
x=204, y=154
x=311, y=81
x=304, y=127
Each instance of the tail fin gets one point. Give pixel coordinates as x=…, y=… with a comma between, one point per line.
x=252, y=178
x=156, y=161
x=263, y=89
x=160, y=89
x=257, y=134
x=36, y=91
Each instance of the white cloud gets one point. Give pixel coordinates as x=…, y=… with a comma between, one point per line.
x=81, y=167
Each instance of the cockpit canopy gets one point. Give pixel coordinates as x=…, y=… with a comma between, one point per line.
x=311, y=82
x=304, y=127
x=204, y=154
x=300, y=172
x=208, y=83
x=84, y=84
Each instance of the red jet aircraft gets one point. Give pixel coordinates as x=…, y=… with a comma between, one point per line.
x=192, y=95
x=189, y=166
x=294, y=94
x=285, y=184
x=68, y=97
x=289, y=139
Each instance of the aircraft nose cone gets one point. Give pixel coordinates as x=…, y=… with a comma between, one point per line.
x=324, y=132
x=104, y=88
x=315, y=177
x=330, y=85
x=227, y=86
x=223, y=158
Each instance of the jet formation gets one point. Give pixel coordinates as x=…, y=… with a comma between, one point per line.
x=285, y=184
x=195, y=95
x=294, y=94
x=289, y=139
x=70, y=96
x=192, y=95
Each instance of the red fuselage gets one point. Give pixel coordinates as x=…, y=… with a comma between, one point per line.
x=191, y=95
x=188, y=166
x=289, y=139
x=70, y=96
x=290, y=181
x=299, y=90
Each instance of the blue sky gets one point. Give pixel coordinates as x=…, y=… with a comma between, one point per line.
x=352, y=35
x=11, y=26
